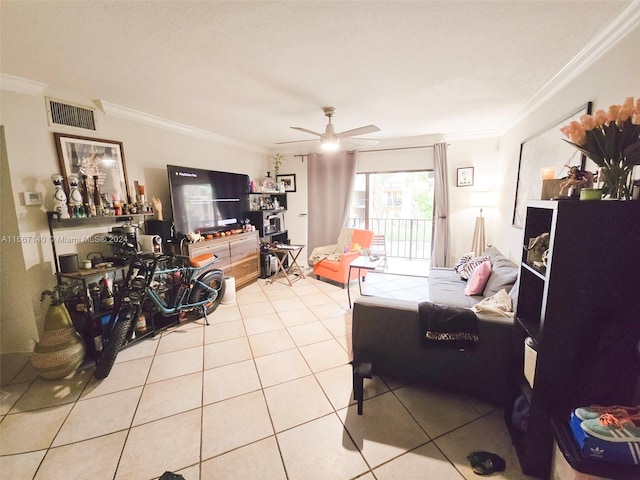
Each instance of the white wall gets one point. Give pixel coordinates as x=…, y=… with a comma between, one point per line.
x=31, y=158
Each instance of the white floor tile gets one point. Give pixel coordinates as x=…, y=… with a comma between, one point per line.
x=384, y=431
x=229, y=381
x=46, y=422
x=99, y=416
x=295, y=402
x=319, y=450
x=168, y=444
x=233, y=423
x=256, y=461
x=70, y=459
x=169, y=397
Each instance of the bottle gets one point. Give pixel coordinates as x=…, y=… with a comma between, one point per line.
x=97, y=198
x=94, y=292
x=141, y=324
x=92, y=330
x=86, y=202
x=107, y=294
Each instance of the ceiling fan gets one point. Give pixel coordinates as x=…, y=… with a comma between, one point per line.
x=330, y=140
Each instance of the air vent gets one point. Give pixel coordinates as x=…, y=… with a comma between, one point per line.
x=70, y=115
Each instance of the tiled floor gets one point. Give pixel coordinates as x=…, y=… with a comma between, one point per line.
x=264, y=392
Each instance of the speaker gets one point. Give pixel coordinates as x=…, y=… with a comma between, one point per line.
x=162, y=228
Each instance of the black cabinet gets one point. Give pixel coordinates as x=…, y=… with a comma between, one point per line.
x=583, y=295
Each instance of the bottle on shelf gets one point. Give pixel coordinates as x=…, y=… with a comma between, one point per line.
x=107, y=294
x=97, y=198
x=86, y=201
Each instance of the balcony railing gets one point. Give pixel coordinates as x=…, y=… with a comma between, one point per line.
x=405, y=238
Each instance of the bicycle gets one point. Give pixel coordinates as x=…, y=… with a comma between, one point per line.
x=168, y=284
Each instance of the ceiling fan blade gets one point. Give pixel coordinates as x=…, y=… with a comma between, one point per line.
x=358, y=131
x=297, y=141
x=307, y=131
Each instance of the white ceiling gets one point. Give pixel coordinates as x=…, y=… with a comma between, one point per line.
x=248, y=71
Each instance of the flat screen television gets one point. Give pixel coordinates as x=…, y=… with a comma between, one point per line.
x=206, y=201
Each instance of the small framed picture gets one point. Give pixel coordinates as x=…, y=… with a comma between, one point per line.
x=289, y=181
x=465, y=177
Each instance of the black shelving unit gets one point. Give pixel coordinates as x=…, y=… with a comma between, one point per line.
x=269, y=221
x=568, y=308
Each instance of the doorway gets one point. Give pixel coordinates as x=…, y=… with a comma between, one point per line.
x=398, y=205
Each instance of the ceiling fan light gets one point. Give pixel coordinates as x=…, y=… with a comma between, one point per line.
x=330, y=145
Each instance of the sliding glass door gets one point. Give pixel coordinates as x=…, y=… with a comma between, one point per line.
x=398, y=205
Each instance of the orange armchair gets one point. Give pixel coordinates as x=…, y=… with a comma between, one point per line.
x=338, y=270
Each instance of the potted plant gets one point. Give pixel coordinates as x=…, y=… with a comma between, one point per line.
x=612, y=140
x=277, y=162
x=60, y=349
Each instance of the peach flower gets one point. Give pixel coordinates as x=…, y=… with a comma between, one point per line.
x=624, y=113
x=577, y=132
x=612, y=113
x=628, y=102
x=588, y=122
x=601, y=117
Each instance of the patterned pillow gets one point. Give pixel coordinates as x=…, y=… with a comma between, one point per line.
x=467, y=269
x=463, y=261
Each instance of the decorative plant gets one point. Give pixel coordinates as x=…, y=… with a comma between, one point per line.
x=277, y=162
x=612, y=140
x=60, y=293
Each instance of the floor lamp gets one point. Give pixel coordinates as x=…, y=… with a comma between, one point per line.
x=481, y=200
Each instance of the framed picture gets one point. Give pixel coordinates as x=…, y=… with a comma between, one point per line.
x=289, y=181
x=465, y=177
x=94, y=157
x=545, y=150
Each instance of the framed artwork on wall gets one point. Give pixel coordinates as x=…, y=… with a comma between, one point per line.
x=94, y=157
x=289, y=181
x=465, y=177
x=544, y=150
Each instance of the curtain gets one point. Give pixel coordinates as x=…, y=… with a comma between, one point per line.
x=440, y=235
x=330, y=182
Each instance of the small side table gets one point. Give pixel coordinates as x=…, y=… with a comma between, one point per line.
x=361, y=263
x=282, y=252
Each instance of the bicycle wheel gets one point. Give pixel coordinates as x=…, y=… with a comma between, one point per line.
x=116, y=341
x=213, y=279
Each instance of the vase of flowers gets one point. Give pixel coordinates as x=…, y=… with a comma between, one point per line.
x=612, y=140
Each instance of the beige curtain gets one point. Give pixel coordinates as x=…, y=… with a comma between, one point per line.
x=330, y=182
x=440, y=235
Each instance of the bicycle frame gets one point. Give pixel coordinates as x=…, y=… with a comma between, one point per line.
x=183, y=293
x=144, y=270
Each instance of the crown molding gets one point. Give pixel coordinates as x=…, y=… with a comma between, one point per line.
x=608, y=37
x=115, y=110
x=12, y=83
